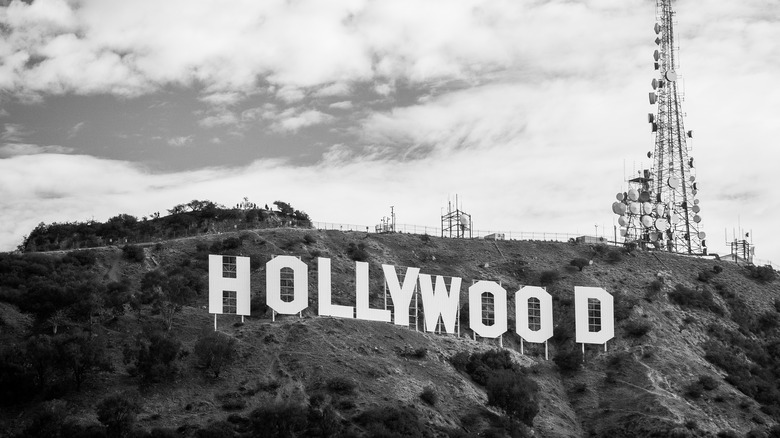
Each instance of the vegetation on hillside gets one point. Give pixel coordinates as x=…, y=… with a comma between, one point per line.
x=190, y=219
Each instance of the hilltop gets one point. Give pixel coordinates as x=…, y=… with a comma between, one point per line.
x=695, y=350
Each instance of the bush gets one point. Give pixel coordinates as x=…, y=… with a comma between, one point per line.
x=341, y=385
x=762, y=273
x=717, y=269
x=708, y=382
x=153, y=356
x=547, y=278
x=515, y=394
x=309, y=239
x=357, y=252
x=429, y=396
x=614, y=256
x=694, y=390
x=215, y=352
x=392, y=422
x=568, y=361
x=637, y=329
x=580, y=263
x=414, y=353
x=705, y=276
x=278, y=420
x=696, y=299
x=460, y=360
x=117, y=413
x=133, y=253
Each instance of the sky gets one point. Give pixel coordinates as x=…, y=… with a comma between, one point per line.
x=532, y=111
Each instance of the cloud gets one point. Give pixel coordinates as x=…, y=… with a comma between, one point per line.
x=342, y=105
x=75, y=129
x=15, y=149
x=180, y=141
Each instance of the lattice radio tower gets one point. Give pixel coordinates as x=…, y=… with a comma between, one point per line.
x=660, y=208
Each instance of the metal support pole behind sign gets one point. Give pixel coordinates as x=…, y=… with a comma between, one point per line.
x=583, y=352
x=521, y=346
x=545, y=351
x=215, y=322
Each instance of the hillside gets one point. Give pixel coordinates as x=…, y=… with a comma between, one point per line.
x=695, y=350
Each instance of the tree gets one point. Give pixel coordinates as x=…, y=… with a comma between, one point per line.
x=215, y=352
x=284, y=208
x=58, y=318
x=515, y=394
x=41, y=354
x=117, y=412
x=80, y=355
x=152, y=356
x=580, y=263
x=168, y=293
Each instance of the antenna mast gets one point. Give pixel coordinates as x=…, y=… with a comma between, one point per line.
x=660, y=208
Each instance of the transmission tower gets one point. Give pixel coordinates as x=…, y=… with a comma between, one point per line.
x=660, y=207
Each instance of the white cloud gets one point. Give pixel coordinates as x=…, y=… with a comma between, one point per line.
x=75, y=129
x=343, y=105
x=290, y=121
x=180, y=141
x=15, y=149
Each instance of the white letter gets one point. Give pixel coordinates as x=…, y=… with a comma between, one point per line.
x=402, y=295
x=439, y=301
x=325, y=306
x=545, y=314
x=475, y=309
x=362, y=299
x=601, y=328
x=229, y=274
x=273, y=270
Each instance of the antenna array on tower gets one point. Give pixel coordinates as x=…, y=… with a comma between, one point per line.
x=660, y=209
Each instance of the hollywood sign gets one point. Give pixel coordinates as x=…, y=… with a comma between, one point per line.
x=229, y=293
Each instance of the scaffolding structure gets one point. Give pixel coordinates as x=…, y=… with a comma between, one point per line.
x=456, y=223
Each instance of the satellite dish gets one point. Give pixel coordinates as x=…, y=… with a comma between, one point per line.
x=690, y=134
x=634, y=207
x=695, y=202
x=671, y=76
x=656, y=55
x=657, y=41
x=620, y=196
x=656, y=65
x=661, y=224
x=694, y=191
x=696, y=209
x=653, y=236
x=657, y=28
x=464, y=220
x=653, y=98
x=647, y=221
x=623, y=232
x=650, y=117
x=673, y=182
x=690, y=162
x=704, y=243
x=649, y=154
x=647, y=208
x=654, y=129
x=684, y=204
x=654, y=83
x=702, y=235
x=622, y=221
x=616, y=207
x=692, y=178
x=659, y=209
x=644, y=197
x=674, y=219
x=633, y=195
x=695, y=186
x=697, y=218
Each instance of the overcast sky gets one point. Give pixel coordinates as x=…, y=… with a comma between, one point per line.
x=534, y=112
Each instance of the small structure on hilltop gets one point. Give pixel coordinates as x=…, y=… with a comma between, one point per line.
x=456, y=223
x=387, y=224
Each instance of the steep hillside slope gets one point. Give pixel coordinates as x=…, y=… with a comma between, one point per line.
x=682, y=323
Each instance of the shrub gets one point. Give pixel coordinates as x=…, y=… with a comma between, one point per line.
x=341, y=385
x=309, y=239
x=133, y=253
x=429, y=396
x=215, y=352
x=515, y=394
x=656, y=285
x=231, y=401
x=637, y=329
x=568, y=361
x=391, y=422
x=694, y=390
x=762, y=273
x=614, y=256
x=708, y=382
x=117, y=413
x=717, y=269
x=153, y=356
x=414, y=353
x=580, y=263
x=357, y=252
x=278, y=420
x=705, y=276
x=460, y=360
x=546, y=278
x=695, y=299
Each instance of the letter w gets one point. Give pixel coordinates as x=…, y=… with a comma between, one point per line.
x=440, y=302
